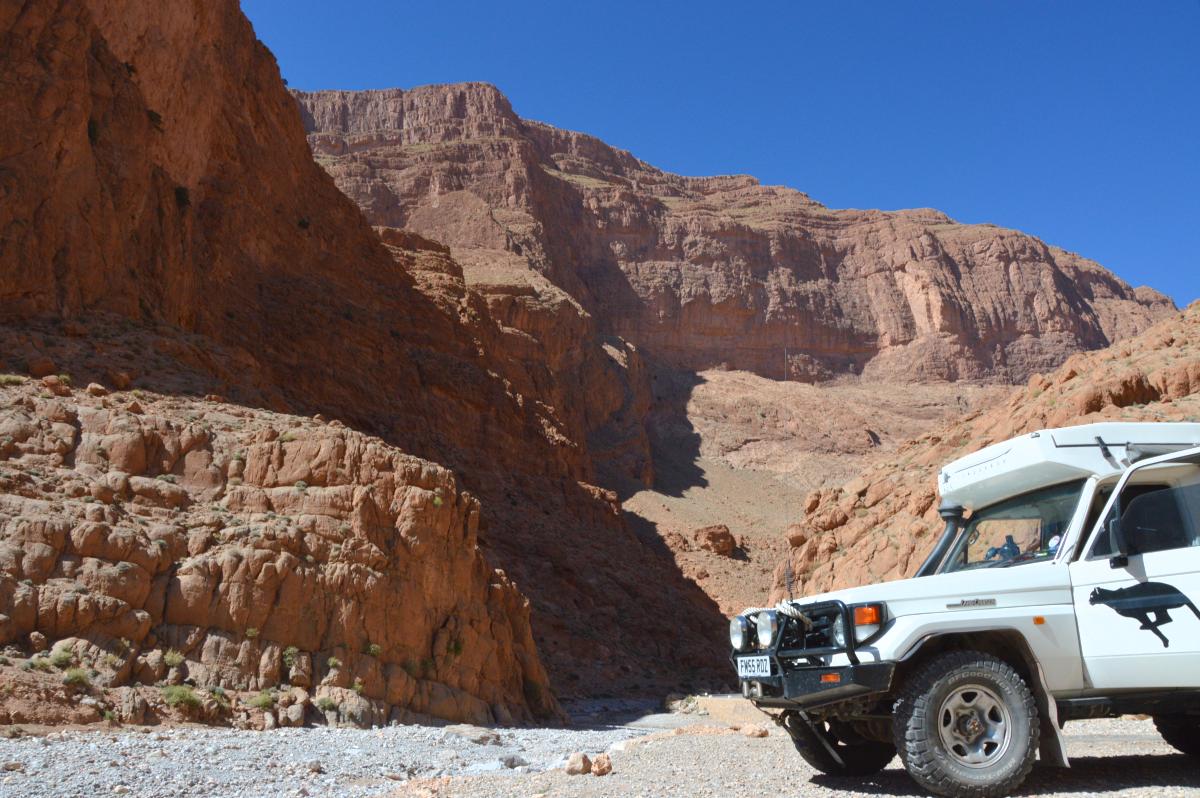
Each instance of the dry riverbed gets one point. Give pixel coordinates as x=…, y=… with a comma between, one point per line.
x=652, y=755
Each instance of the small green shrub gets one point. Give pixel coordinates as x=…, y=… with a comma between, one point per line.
x=252, y=632
x=287, y=437
x=374, y=649
x=62, y=658
x=358, y=686
x=289, y=656
x=263, y=700
x=326, y=704
x=180, y=695
x=218, y=694
x=301, y=485
x=173, y=658
x=11, y=379
x=110, y=716
x=334, y=663
x=167, y=478
x=77, y=677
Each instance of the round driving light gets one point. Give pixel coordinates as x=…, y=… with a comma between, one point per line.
x=839, y=632
x=768, y=625
x=739, y=633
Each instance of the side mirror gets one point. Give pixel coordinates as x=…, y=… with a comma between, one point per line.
x=1117, y=544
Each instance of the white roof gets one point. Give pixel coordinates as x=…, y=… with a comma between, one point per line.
x=1051, y=456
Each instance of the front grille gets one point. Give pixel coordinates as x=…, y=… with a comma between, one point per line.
x=795, y=637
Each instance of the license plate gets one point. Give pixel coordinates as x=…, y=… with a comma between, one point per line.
x=753, y=667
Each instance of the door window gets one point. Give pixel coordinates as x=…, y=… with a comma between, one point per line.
x=1155, y=517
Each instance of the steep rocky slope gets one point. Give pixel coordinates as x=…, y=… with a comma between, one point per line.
x=883, y=523
x=720, y=271
x=164, y=538
x=157, y=181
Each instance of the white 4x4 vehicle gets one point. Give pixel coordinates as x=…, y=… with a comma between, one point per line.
x=1065, y=586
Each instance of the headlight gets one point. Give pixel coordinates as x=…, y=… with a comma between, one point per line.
x=839, y=632
x=768, y=625
x=739, y=633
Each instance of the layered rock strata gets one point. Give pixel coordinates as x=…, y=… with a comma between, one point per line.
x=717, y=271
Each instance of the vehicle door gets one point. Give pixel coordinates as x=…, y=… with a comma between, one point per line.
x=1137, y=586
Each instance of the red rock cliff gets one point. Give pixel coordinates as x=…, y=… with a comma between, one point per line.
x=155, y=171
x=703, y=272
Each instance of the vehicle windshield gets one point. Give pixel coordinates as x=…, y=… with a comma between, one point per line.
x=1024, y=529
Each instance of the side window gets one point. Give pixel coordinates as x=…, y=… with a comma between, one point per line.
x=1156, y=517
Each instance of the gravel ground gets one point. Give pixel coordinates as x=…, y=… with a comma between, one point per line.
x=655, y=755
x=341, y=763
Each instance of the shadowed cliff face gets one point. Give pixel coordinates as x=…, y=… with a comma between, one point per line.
x=155, y=170
x=721, y=271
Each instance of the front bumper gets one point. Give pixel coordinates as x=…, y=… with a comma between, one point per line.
x=801, y=675
x=811, y=687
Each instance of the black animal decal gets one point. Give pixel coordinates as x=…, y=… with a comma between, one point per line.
x=1139, y=601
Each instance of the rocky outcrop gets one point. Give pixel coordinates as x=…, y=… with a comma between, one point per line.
x=882, y=524
x=161, y=538
x=165, y=228
x=722, y=271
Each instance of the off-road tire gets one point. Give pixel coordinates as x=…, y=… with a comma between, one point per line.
x=920, y=711
x=1182, y=732
x=862, y=758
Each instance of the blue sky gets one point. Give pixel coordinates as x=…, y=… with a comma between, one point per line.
x=1078, y=122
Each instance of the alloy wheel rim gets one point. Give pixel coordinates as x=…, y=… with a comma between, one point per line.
x=975, y=726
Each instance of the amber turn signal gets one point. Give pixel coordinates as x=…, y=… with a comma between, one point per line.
x=830, y=678
x=869, y=615
x=1038, y=620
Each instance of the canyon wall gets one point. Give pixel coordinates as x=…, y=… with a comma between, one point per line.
x=720, y=271
x=157, y=181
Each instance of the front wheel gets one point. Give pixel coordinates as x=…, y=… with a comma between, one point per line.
x=1182, y=732
x=855, y=758
x=966, y=724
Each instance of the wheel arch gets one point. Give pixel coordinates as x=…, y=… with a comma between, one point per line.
x=1012, y=647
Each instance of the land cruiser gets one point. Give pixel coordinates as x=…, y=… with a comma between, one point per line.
x=1065, y=586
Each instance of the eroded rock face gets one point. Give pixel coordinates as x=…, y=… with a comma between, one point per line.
x=882, y=524
x=265, y=549
x=722, y=271
x=166, y=229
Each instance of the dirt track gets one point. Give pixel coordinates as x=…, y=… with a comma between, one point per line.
x=1110, y=758
x=653, y=755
